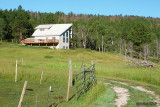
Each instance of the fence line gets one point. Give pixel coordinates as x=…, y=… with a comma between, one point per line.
x=84, y=79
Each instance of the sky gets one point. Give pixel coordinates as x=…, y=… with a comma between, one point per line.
x=102, y=7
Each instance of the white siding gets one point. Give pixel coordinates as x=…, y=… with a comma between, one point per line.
x=49, y=37
x=64, y=44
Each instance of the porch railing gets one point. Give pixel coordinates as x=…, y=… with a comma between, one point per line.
x=38, y=41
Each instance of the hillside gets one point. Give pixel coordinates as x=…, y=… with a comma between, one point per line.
x=54, y=63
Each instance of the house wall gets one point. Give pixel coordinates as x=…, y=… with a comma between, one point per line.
x=62, y=44
x=49, y=37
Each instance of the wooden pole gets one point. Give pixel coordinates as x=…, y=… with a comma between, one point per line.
x=70, y=71
x=93, y=81
x=41, y=77
x=22, y=94
x=16, y=72
x=68, y=88
x=36, y=99
x=84, y=75
x=50, y=88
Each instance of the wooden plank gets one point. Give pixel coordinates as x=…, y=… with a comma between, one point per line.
x=22, y=94
x=41, y=77
x=68, y=88
x=93, y=78
x=70, y=71
x=84, y=78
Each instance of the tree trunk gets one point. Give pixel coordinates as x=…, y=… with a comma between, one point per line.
x=159, y=52
x=125, y=46
x=75, y=45
x=146, y=51
x=102, y=43
x=120, y=46
x=20, y=36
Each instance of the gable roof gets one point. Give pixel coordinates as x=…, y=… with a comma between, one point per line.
x=52, y=29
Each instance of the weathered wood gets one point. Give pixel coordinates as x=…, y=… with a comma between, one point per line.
x=70, y=71
x=93, y=78
x=68, y=88
x=22, y=94
x=16, y=72
x=41, y=77
x=50, y=88
x=84, y=78
x=36, y=100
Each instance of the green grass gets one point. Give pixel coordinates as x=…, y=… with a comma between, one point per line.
x=135, y=95
x=55, y=66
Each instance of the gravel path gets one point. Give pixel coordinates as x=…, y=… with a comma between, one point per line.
x=122, y=96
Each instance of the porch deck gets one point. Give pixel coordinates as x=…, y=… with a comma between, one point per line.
x=31, y=41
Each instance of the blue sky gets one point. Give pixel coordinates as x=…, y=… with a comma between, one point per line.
x=103, y=7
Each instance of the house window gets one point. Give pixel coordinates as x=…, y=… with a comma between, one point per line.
x=63, y=37
x=66, y=37
x=63, y=47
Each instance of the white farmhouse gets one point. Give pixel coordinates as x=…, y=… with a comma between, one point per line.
x=52, y=35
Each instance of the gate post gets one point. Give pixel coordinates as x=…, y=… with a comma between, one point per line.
x=70, y=71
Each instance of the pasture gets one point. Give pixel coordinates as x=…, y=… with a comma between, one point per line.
x=54, y=63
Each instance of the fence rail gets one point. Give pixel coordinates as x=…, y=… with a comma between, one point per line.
x=84, y=80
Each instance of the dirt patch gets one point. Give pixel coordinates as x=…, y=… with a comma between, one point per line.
x=123, y=83
x=107, y=84
x=59, y=97
x=122, y=96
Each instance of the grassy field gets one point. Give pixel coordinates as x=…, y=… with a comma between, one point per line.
x=55, y=66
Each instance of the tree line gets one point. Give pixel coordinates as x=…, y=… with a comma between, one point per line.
x=129, y=35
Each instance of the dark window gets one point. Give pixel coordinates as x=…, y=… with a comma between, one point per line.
x=63, y=37
x=66, y=37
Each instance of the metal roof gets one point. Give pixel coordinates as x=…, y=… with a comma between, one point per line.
x=44, y=26
x=51, y=29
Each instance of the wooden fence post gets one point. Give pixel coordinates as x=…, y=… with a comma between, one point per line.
x=22, y=94
x=68, y=88
x=41, y=77
x=16, y=72
x=70, y=71
x=93, y=81
x=84, y=78
x=36, y=99
x=50, y=88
